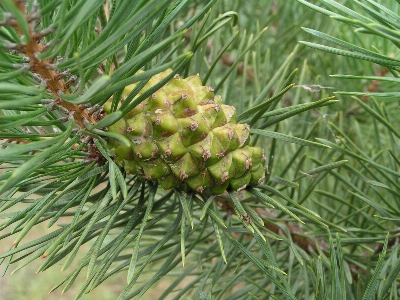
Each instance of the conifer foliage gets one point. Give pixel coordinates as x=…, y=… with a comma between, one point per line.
x=112, y=136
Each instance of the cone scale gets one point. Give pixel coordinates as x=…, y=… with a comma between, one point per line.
x=184, y=137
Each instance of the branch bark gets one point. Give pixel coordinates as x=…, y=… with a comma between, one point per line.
x=44, y=68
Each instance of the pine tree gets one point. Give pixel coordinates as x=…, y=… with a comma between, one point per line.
x=319, y=222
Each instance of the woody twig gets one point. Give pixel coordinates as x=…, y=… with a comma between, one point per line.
x=44, y=68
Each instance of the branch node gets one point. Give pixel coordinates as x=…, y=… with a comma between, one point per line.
x=70, y=81
x=50, y=67
x=25, y=67
x=46, y=46
x=44, y=32
x=64, y=74
x=50, y=105
x=76, y=87
x=35, y=7
x=44, y=82
x=86, y=139
x=47, y=101
x=84, y=106
x=63, y=109
x=33, y=16
x=86, y=122
x=63, y=119
x=59, y=59
x=94, y=109
x=8, y=19
x=11, y=46
x=71, y=115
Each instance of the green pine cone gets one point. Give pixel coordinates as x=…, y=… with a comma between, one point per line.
x=184, y=137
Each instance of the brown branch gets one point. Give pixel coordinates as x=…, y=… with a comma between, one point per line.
x=299, y=236
x=48, y=73
x=297, y=233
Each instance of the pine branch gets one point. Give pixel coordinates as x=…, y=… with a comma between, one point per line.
x=298, y=235
x=45, y=68
x=242, y=237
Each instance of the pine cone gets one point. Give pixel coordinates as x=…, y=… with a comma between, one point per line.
x=185, y=138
